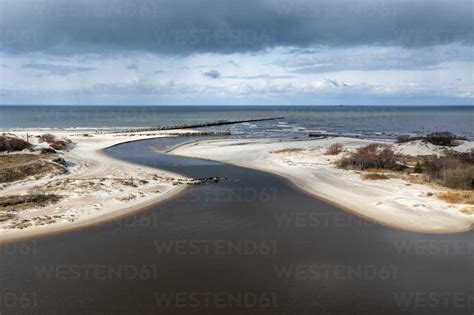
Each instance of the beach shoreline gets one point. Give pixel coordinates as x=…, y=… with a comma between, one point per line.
x=393, y=202
x=90, y=162
x=317, y=177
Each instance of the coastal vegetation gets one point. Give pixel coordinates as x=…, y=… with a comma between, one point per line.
x=458, y=197
x=16, y=167
x=375, y=176
x=9, y=205
x=55, y=143
x=443, y=138
x=12, y=144
x=452, y=169
x=334, y=149
x=371, y=156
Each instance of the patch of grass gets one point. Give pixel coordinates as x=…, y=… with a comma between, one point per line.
x=14, y=203
x=6, y=216
x=334, y=149
x=288, y=150
x=457, y=197
x=374, y=176
x=20, y=166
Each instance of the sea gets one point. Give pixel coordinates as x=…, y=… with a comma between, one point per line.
x=384, y=122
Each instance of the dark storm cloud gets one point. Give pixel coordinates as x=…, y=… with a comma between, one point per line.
x=225, y=26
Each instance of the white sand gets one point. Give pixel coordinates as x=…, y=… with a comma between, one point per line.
x=97, y=187
x=393, y=202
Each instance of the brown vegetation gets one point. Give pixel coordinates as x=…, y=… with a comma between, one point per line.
x=47, y=137
x=19, y=202
x=374, y=155
x=454, y=170
x=374, y=176
x=12, y=144
x=334, y=149
x=458, y=197
x=60, y=145
x=14, y=203
x=20, y=166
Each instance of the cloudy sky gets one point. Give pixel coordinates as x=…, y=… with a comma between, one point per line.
x=236, y=52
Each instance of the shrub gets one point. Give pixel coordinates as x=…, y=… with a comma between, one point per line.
x=406, y=138
x=47, y=137
x=437, y=138
x=59, y=145
x=461, y=177
x=441, y=138
x=13, y=144
x=374, y=155
x=453, y=170
x=418, y=168
x=334, y=149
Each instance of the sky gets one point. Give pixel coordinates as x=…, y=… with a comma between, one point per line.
x=242, y=52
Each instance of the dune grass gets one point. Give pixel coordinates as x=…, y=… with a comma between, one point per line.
x=466, y=197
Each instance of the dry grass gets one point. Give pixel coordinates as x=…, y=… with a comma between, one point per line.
x=468, y=210
x=334, y=149
x=457, y=197
x=374, y=176
x=14, y=203
x=288, y=150
x=20, y=166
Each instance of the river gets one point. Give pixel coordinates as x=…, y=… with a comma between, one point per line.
x=250, y=244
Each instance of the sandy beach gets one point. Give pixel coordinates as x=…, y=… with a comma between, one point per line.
x=395, y=202
x=95, y=187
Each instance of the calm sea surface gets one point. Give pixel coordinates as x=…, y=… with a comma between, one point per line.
x=367, y=121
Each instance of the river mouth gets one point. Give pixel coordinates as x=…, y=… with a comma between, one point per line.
x=251, y=244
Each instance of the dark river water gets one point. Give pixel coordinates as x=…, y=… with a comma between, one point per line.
x=252, y=244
